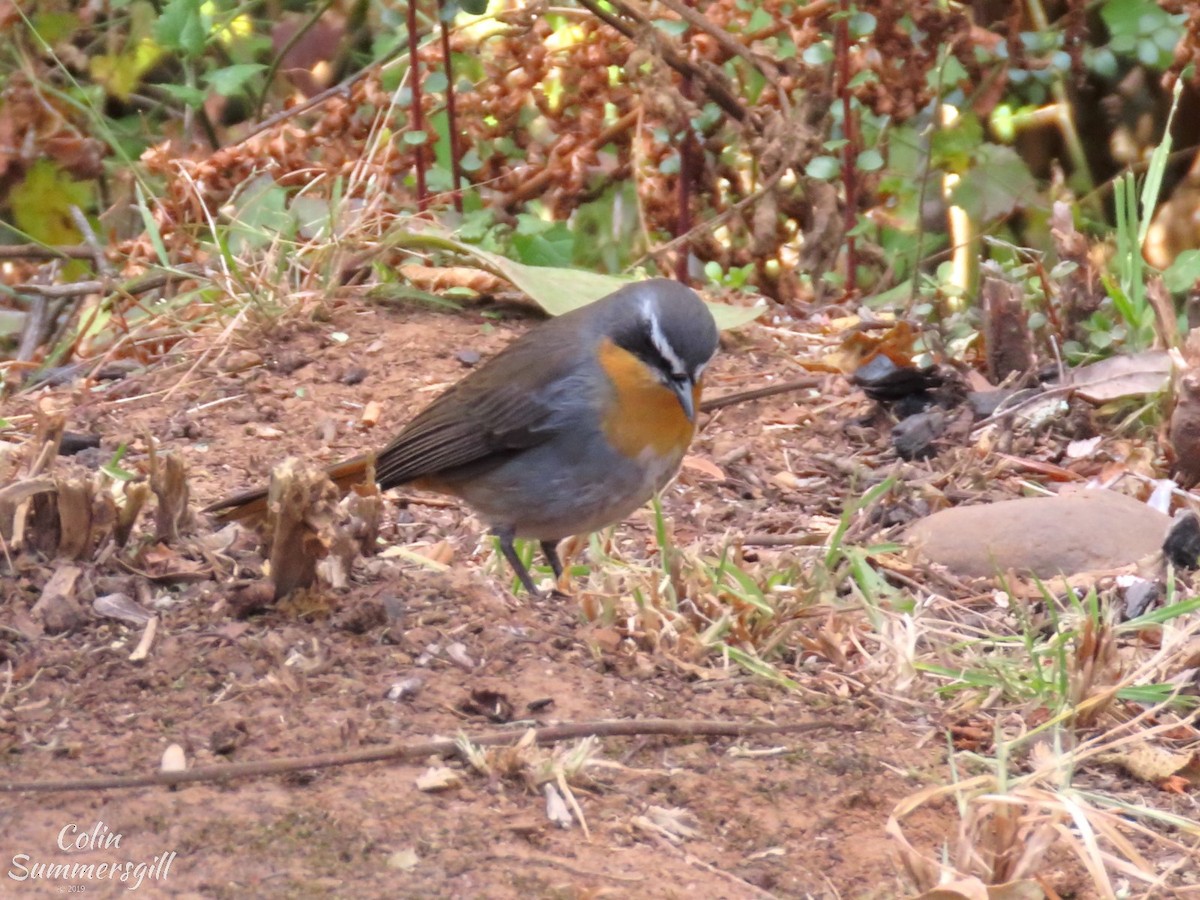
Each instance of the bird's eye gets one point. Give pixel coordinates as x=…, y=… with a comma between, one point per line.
x=679, y=379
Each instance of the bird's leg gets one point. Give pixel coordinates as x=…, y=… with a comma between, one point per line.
x=505, y=536
x=550, y=551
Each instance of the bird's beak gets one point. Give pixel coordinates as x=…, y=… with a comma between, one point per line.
x=685, y=392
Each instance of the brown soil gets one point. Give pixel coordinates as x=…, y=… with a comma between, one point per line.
x=805, y=819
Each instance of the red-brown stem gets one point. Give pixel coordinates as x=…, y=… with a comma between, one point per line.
x=687, y=173
x=451, y=118
x=851, y=148
x=417, y=119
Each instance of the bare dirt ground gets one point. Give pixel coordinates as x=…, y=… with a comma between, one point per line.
x=789, y=815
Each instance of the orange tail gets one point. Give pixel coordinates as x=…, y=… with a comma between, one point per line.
x=252, y=505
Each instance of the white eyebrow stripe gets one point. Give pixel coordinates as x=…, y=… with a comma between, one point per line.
x=660, y=342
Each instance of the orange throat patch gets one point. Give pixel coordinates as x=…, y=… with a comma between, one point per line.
x=646, y=417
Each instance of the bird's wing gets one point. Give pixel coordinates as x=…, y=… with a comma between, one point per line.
x=514, y=401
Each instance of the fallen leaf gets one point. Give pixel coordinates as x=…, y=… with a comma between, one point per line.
x=704, y=467
x=439, y=778
x=1122, y=376
x=556, y=807
x=1156, y=764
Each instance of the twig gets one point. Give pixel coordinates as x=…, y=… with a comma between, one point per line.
x=689, y=168
x=37, y=327
x=416, y=121
x=273, y=68
x=782, y=540
x=101, y=286
x=771, y=390
x=421, y=749
x=727, y=41
x=852, y=146
x=142, y=650
x=565, y=865
x=451, y=113
x=1004, y=412
x=99, y=260
x=40, y=251
x=720, y=94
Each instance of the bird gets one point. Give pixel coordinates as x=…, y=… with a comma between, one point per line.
x=568, y=429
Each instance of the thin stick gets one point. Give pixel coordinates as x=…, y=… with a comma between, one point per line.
x=451, y=114
x=38, y=251
x=99, y=260
x=416, y=122
x=79, y=288
x=421, y=749
x=800, y=384
x=718, y=91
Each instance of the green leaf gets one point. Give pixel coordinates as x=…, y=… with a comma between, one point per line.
x=955, y=147
x=180, y=27
x=556, y=290
x=818, y=54
x=41, y=203
x=470, y=161
x=1183, y=273
x=760, y=20
x=824, y=168
x=261, y=215
x=474, y=7
x=866, y=76
x=869, y=161
x=113, y=469
x=862, y=24
x=1154, y=172
x=949, y=75
x=312, y=215
x=414, y=137
x=673, y=27
x=185, y=94
x=53, y=27
x=552, y=246
x=229, y=80
x=121, y=73
x=998, y=183
x=435, y=82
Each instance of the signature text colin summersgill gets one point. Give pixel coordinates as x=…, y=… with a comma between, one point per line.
x=100, y=837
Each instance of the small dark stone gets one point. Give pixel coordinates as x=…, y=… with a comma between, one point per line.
x=116, y=370
x=491, y=705
x=251, y=598
x=55, y=376
x=288, y=362
x=361, y=617
x=1182, y=544
x=354, y=375
x=914, y=437
x=983, y=404
x=73, y=442
x=468, y=357
x=226, y=739
x=1140, y=596
x=93, y=457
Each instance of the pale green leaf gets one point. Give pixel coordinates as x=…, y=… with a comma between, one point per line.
x=558, y=290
